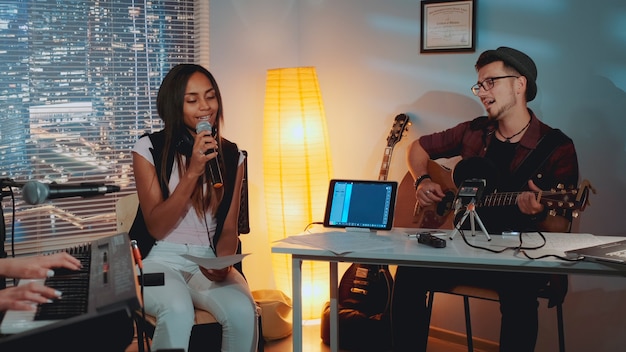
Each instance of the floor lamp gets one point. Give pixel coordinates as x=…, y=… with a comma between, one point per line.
x=297, y=168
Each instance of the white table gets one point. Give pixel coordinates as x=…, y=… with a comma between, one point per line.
x=404, y=250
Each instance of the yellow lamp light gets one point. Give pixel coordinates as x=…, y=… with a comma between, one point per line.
x=297, y=168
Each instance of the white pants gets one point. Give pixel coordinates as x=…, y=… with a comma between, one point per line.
x=230, y=301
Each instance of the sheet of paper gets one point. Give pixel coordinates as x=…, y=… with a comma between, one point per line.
x=342, y=242
x=215, y=263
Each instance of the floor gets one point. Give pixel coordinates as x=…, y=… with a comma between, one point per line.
x=313, y=343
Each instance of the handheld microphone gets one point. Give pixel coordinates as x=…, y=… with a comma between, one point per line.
x=214, y=169
x=35, y=192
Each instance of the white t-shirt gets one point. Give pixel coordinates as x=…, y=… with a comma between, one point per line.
x=190, y=229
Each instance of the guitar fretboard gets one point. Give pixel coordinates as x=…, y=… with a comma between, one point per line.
x=499, y=199
x=400, y=125
x=564, y=199
x=384, y=167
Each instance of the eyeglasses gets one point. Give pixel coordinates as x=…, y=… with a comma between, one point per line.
x=487, y=83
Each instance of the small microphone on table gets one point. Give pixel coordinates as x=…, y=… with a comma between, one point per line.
x=214, y=169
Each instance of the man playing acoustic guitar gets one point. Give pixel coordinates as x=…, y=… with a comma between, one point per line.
x=527, y=156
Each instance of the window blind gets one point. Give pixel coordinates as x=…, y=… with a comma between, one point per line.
x=78, y=86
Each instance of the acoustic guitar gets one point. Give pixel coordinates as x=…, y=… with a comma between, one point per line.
x=441, y=215
x=437, y=216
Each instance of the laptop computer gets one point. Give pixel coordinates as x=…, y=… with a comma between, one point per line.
x=360, y=204
x=612, y=252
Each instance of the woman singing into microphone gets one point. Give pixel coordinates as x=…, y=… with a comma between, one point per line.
x=182, y=213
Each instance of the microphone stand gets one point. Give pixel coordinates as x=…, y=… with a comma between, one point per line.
x=3, y=231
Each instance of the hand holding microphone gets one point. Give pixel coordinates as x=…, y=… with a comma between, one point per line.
x=215, y=173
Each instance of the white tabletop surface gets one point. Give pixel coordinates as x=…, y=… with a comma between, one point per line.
x=397, y=247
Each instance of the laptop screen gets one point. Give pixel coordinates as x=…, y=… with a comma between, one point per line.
x=360, y=204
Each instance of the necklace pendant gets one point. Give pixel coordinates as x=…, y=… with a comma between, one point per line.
x=507, y=140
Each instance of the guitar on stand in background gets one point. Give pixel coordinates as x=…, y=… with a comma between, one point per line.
x=364, y=295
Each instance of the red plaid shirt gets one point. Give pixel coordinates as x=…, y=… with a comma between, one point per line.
x=473, y=138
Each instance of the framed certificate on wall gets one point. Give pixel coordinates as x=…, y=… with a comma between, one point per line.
x=448, y=26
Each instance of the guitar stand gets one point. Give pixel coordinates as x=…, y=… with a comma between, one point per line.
x=470, y=211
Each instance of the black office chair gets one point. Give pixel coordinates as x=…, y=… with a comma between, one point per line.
x=554, y=292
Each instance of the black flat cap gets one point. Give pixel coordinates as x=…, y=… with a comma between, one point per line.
x=519, y=61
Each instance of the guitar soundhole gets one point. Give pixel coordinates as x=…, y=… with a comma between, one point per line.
x=446, y=204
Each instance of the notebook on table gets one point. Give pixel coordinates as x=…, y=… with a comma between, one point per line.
x=612, y=252
x=360, y=204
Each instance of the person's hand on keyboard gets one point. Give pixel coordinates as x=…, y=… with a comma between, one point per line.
x=26, y=297
x=37, y=267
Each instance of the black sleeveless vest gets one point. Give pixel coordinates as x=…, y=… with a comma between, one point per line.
x=229, y=152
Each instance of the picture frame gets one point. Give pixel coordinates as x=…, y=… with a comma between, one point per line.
x=448, y=26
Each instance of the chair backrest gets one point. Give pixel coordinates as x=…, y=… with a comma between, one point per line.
x=125, y=211
x=244, y=215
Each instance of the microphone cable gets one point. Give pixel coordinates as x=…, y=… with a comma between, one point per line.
x=519, y=248
x=311, y=224
x=142, y=337
x=523, y=251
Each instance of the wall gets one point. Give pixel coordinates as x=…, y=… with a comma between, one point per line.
x=370, y=69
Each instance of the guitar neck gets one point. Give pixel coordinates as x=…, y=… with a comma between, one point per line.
x=384, y=168
x=551, y=199
x=499, y=199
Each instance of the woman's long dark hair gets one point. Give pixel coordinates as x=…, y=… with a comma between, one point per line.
x=170, y=102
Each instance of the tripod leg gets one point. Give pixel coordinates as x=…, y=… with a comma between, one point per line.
x=459, y=224
x=482, y=227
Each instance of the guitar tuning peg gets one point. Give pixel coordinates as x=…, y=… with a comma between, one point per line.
x=575, y=214
x=560, y=186
x=552, y=212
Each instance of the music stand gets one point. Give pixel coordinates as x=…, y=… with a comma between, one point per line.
x=469, y=191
